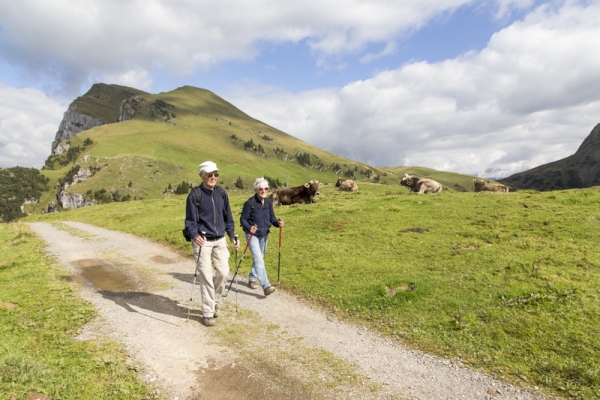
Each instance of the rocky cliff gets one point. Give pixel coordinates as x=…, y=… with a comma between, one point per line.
x=99, y=106
x=72, y=124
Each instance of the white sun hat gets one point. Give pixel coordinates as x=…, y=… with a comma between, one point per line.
x=207, y=167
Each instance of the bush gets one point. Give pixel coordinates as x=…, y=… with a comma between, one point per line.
x=68, y=177
x=273, y=183
x=183, y=188
x=239, y=183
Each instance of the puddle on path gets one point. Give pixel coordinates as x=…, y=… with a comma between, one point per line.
x=103, y=275
x=235, y=382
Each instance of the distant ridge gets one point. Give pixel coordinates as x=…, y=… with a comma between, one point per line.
x=581, y=170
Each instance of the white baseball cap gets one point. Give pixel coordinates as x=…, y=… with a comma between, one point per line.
x=207, y=167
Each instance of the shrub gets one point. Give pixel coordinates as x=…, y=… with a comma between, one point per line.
x=183, y=188
x=239, y=183
x=274, y=183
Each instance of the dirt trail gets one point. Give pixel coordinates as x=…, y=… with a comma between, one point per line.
x=142, y=291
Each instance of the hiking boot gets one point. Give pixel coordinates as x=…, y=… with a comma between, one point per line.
x=269, y=290
x=253, y=284
x=209, y=321
x=216, y=314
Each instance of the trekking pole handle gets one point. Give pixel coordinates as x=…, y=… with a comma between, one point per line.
x=280, y=232
x=247, y=243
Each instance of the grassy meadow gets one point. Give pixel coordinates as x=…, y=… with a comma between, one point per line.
x=40, y=314
x=508, y=283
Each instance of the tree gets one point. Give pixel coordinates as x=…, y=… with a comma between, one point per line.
x=182, y=188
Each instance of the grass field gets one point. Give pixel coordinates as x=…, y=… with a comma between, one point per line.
x=507, y=282
x=40, y=314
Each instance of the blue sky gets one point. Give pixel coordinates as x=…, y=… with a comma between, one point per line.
x=486, y=88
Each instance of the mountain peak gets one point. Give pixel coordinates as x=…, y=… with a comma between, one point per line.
x=579, y=170
x=591, y=144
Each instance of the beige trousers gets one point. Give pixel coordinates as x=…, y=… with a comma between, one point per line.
x=213, y=269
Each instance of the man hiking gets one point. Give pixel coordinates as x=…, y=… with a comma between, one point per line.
x=207, y=218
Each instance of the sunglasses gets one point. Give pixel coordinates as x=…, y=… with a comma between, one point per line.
x=263, y=189
x=213, y=174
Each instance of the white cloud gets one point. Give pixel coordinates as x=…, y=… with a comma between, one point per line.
x=136, y=78
x=28, y=123
x=530, y=97
x=390, y=48
x=70, y=41
x=505, y=7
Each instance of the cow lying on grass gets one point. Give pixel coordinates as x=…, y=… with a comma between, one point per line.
x=421, y=185
x=304, y=194
x=481, y=186
x=347, y=185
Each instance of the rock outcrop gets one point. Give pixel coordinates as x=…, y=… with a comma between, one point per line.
x=82, y=175
x=72, y=124
x=72, y=200
x=130, y=107
x=60, y=148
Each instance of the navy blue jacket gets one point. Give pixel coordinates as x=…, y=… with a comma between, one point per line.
x=214, y=216
x=262, y=215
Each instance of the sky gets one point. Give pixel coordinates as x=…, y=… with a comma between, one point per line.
x=484, y=88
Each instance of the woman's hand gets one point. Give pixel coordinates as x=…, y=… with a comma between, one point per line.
x=253, y=229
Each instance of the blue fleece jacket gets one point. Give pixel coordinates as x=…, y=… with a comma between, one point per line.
x=214, y=215
x=261, y=215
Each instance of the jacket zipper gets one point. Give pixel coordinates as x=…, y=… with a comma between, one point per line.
x=212, y=197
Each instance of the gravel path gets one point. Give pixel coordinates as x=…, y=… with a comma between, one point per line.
x=142, y=291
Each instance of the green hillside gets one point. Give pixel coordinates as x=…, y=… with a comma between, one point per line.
x=579, y=170
x=171, y=133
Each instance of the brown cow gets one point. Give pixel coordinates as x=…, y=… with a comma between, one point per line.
x=304, y=194
x=421, y=185
x=481, y=186
x=347, y=185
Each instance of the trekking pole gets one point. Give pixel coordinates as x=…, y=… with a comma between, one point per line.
x=238, y=266
x=279, y=261
x=236, y=282
x=203, y=234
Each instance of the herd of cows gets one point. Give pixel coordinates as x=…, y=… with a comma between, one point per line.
x=305, y=194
